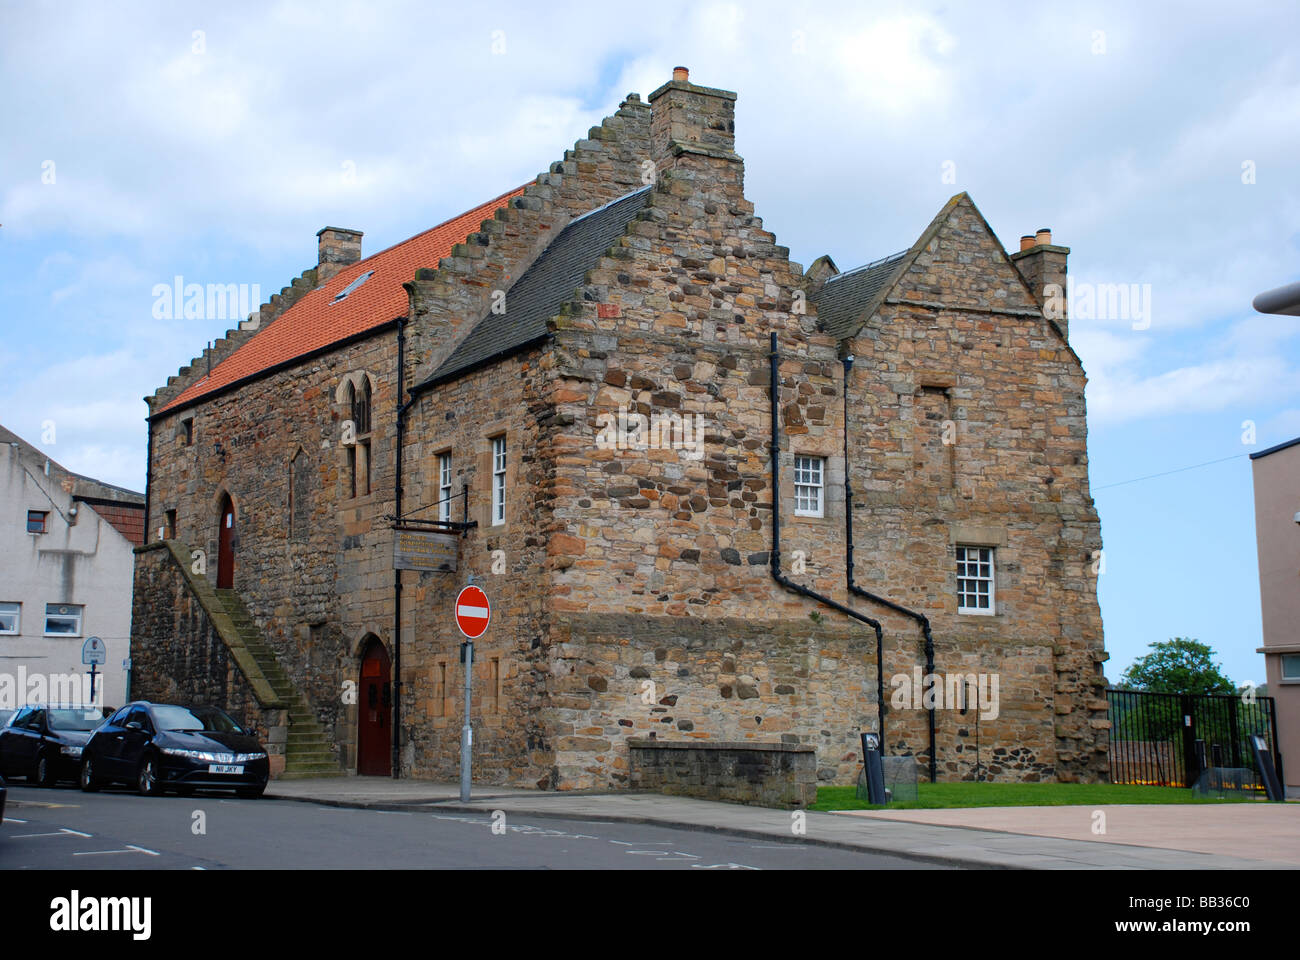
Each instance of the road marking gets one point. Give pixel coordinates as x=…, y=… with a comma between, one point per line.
x=14, y=820
x=152, y=853
x=61, y=832
x=130, y=848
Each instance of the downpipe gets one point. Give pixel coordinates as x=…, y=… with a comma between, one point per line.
x=774, y=559
x=854, y=589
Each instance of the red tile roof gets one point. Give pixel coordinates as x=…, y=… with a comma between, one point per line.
x=316, y=321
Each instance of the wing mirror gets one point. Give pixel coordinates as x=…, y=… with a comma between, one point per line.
x=134, y=725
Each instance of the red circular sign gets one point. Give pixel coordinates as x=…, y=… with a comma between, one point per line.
x=473, y=612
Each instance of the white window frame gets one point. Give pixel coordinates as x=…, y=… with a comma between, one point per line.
x=498, y=480
x=14, y=609
x=809, y=486
x=973, y=555
x=79, y=617
x=1281, y=667
x=444, y=486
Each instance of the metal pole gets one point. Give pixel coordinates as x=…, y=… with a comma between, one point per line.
x=467, y=731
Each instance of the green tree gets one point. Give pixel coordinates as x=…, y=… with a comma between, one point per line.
x=1180, y=665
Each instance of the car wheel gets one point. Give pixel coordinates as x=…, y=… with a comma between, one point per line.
x=43, y=772
x=89, y=782
x=146, y=780
x=250, y=793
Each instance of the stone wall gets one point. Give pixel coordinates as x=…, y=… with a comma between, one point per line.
x=183, y=653
x=763, y=774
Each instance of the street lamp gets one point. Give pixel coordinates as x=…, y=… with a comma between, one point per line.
x=1284, y=300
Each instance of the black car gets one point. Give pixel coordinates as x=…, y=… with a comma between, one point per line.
x=43, y=742
x=2, y=799
x=162, y=746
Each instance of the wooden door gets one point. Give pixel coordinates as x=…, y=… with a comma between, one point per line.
x=226, y=546
x=375, y=714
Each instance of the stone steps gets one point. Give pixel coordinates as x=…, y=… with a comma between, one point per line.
x=308, y=751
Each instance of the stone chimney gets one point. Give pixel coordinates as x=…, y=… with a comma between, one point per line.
x=693, y=128
x=1042, y=264
x=337, y=247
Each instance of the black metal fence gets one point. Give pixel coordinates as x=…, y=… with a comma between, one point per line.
x=1168, y=739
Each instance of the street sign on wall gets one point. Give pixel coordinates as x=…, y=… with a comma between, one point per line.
x=94, y=651
x=425, y=551
x=473, y=612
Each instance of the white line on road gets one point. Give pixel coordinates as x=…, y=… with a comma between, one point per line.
x=61, y=832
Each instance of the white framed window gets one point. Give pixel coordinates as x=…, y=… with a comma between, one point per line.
x=809, y=486
x=975, y=576
x=498, y=480
x=444, y=486
x=1291, y=666
x=63, y=619
x=11, y=618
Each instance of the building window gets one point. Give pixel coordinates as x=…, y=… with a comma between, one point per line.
x=975, y=580
x=62, y=620
x=1291, y=666
x=169, y=532
x=187, y=431
x=444, y=486
x=358, y=401
x=299, y=496
x=38, y=521
x=498, y=480
x=809, y=486
x=11, y=615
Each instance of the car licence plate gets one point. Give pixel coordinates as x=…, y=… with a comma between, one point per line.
x=224, y=768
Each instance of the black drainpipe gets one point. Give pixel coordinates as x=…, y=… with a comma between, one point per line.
x=774, y=561
x=865, y=594
x=402, y=406
x=148, y=473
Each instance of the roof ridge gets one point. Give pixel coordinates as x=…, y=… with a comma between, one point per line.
x=867, y=266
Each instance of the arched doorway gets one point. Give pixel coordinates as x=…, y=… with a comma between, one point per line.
x=226, y=545
x=375, y=713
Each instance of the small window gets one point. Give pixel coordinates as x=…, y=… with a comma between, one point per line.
x=11, y=615
x=975, y=580
x=170, y=530
x=809, y=486
x=444, y=486
x=358, y=402
x=498, y=481
x=187, y=431
x=1291, y=666
x=63, y=620
x=38, y=521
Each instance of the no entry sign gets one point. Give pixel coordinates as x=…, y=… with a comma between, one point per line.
x=472, y=612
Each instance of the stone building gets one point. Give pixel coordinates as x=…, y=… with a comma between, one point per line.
x=574, y=384
x=66, y=562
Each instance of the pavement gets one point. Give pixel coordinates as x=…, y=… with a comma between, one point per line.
x=1137, y=837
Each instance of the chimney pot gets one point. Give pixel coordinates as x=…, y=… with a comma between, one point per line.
x=681, y=74
x=1044, y=236
x=1027, y=241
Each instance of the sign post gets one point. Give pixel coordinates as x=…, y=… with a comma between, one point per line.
x=93, y=652
x=473, y=614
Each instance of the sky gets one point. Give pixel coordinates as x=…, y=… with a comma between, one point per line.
x=1158, y=141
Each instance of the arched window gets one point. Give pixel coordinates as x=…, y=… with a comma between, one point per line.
x=357, y=401
x=299, y=496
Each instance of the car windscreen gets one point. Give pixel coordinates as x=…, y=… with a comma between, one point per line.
x=202, y=719
x=74, y=719
x=5, y=715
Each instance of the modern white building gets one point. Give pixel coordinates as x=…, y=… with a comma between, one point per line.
x=66, y=568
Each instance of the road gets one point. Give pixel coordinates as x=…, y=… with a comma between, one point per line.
x=65, y=829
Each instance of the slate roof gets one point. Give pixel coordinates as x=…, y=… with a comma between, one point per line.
x=846, y=296
x=538, y=295
x=316, y=321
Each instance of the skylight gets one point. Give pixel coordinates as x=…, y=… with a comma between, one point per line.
x=343, y=294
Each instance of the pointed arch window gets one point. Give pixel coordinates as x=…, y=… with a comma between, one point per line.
x=357, y=399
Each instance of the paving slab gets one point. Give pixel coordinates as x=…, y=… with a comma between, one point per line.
x=1265, y=832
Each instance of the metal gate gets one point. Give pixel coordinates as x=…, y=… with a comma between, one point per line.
x=1167, y=739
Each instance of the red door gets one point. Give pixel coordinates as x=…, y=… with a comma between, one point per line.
x=226, y=546
x=375, y=714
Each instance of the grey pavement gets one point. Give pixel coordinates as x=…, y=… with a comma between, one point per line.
x=952, y=845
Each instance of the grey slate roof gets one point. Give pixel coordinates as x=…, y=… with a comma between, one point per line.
x=845, y=297
x=549, y=283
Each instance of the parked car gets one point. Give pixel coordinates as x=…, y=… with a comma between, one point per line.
x=162, y=746
x=43, y=742
x=2, y=799
x=4, y=717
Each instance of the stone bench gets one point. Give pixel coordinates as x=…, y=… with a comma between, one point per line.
x=738, y=771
